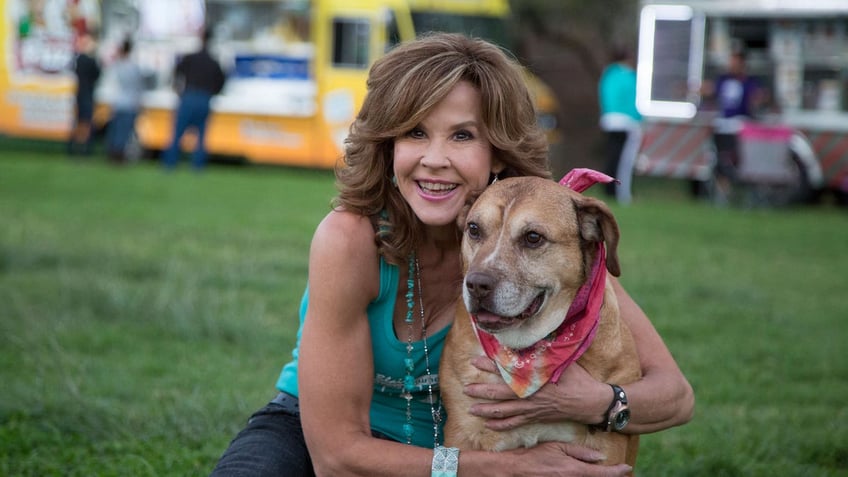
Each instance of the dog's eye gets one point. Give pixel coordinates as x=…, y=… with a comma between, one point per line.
x=473, y=230
x=533, y=239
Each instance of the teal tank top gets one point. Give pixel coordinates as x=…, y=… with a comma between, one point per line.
x=388, y=407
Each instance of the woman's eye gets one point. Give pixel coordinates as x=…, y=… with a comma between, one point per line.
x=533, y=239
x=416, y=133
x=473, y=231
x=463, y=135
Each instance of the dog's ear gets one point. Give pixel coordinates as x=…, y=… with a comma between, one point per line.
x=597, y=224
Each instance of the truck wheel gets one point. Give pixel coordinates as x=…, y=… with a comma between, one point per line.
x=794, y=192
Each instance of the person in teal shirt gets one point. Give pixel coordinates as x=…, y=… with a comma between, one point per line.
x=620, y=121
x=445, y=116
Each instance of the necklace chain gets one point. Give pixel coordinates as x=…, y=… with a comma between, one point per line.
x=409, y=385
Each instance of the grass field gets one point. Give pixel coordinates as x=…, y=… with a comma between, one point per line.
x=145, y=315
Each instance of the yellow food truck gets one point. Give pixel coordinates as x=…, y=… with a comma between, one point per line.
x=296, y=68
x=796, y=145
x=36, y=54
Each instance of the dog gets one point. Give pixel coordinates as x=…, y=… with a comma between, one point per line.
x=529, y=244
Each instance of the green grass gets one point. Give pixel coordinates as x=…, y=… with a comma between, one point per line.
x=145, y=315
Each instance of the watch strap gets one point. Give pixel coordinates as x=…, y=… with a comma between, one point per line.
x=619, y=396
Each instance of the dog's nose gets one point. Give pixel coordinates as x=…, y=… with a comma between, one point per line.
x=479, y=284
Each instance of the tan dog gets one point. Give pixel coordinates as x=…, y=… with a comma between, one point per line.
x=528, y=246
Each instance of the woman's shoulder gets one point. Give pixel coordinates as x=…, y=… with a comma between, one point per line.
x=346, y=232
x=341, y=221
x=344, y=249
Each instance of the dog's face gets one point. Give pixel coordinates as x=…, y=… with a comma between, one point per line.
x=528, y=245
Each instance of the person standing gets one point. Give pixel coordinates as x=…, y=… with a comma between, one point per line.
x=738, y=95
x=620, y=121
x=87, y=72
x=197, y=78
x=126, y=105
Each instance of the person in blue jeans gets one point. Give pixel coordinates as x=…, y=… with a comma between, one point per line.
x=126, y=104
x=198, y=77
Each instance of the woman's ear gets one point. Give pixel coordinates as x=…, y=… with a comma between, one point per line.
x=498, y=166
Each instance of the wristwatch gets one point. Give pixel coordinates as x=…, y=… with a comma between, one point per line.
x=618, y=413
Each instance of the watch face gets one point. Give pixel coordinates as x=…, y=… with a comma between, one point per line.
x=621, y=419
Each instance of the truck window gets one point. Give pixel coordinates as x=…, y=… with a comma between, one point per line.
x=671, y=46
x=350, y=43
x=392, y=31
x=824, y=65
x=798, y=60
x=265, y=25
x=749, y=35
x=486, y=27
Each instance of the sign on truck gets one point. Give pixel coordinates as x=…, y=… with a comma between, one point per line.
x=36, y=58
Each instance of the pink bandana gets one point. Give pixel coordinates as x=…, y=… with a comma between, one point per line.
x=581, y=179
x=526, y=370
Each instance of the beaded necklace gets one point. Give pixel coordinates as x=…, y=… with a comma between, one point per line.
x=409, y=380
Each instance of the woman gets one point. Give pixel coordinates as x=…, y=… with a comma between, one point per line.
x=445, y=115
x=620, y=120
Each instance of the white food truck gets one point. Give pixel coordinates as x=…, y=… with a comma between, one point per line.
x=796, y=145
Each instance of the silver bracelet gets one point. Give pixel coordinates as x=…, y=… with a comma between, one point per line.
x=445, y=462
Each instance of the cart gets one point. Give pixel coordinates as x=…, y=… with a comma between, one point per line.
x=767, y=173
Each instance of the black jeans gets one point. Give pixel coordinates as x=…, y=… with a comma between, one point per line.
x=727, y=152
x=271, y=444
x=614, y=148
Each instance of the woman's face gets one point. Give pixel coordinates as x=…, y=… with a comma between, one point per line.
x=444, y=158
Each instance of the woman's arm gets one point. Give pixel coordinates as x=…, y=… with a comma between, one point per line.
x=662, y=398
x=335, y=369
x=336, y=376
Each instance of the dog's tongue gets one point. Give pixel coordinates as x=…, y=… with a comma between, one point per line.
x=492, y=322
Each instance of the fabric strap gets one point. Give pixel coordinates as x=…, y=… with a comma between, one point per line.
x=445, y=462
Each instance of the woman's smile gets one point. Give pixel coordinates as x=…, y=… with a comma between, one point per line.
x=436, y=190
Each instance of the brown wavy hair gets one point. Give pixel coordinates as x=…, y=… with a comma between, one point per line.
x=403, y=87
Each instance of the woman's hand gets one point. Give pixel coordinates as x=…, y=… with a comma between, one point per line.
x=563, y=459
x=576, y=397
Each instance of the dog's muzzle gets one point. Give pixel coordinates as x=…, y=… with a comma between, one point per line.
x=482, y=302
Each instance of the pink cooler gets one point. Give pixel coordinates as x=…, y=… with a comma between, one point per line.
x=764, y=154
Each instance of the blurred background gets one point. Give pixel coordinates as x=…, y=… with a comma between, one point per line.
x=144, y=316
x=296, y=69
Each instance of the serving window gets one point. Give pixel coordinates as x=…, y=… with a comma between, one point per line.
x=802, y=62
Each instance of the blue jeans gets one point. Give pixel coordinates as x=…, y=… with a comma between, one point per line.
x=120, y=129
x=272, y=444
x=193, y=111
